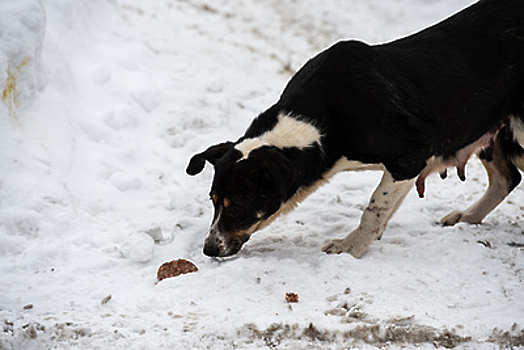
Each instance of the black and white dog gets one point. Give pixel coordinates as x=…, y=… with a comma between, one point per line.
x=411, y=107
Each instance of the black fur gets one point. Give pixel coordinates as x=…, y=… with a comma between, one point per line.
x=398, y=104
x=512, y=151
x=431, y=93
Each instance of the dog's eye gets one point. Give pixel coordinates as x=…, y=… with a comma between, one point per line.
x=227, y=202
x=214, y=197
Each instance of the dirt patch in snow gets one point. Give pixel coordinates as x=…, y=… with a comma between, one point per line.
x=378, y=335
x=279, y=335
x=276, y=336
x=508, y=339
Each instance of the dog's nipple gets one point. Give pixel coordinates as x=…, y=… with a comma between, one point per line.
x=461, y=171
x=421, y=186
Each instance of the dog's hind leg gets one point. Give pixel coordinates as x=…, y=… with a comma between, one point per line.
x=383, y=203
x=503, y=177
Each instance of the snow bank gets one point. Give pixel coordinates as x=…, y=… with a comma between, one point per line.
x=93, y=194
x=22, y=29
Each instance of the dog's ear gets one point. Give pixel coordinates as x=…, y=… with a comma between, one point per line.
x=212, y=154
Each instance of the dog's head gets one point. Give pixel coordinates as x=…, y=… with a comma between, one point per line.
x=246, y=192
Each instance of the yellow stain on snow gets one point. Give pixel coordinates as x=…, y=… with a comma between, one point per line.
x=10, y=93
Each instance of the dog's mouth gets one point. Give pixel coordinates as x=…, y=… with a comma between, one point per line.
x=219, y=245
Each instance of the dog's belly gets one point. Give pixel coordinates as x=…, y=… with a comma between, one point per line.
x=458, y=160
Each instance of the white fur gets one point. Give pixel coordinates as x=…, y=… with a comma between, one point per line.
x=517, y=126
x=288, y=132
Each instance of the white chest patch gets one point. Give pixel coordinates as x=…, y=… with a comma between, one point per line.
x=288, y=132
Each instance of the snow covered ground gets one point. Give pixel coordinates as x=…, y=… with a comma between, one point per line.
x=103, y=104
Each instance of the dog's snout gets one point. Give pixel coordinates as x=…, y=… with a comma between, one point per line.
x=211, y=250
x=213, y=245
x=217, y=245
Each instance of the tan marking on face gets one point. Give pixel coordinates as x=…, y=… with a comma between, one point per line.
x=239, y=235
x=227, y=202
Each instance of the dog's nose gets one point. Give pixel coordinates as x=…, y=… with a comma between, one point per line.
x=211, y=250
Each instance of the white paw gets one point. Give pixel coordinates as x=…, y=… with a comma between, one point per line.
x=469, y=217
x=334, y=246
x=357, y=248
x=452, y=218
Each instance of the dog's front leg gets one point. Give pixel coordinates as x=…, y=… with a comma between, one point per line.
x=383, y=203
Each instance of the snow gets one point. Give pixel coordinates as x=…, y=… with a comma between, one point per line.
x=104, y=102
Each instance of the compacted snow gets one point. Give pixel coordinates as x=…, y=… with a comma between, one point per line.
x=103, y=104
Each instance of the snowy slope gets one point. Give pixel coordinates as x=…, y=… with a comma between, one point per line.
x=103, y=104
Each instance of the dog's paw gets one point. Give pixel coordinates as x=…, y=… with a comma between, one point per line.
x=468, y=216
x=452, y=218
x=334, y=246
x=338, y=246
